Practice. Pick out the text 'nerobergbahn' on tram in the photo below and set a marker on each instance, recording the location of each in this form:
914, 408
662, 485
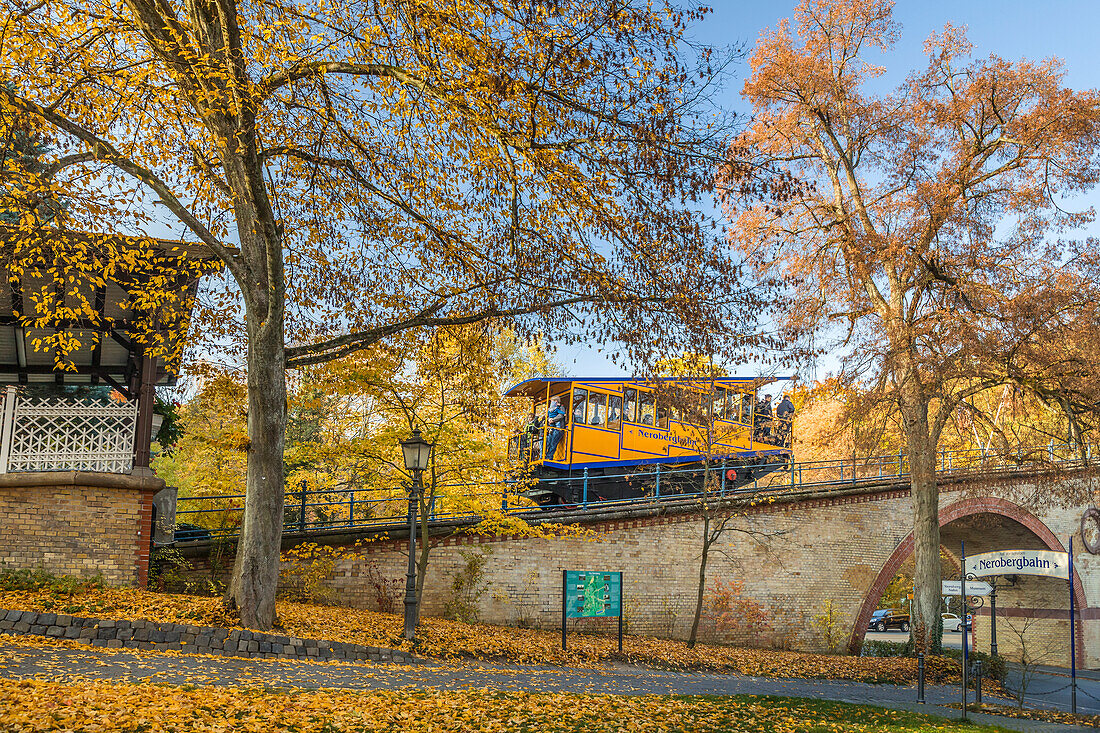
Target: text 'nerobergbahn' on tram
620, 434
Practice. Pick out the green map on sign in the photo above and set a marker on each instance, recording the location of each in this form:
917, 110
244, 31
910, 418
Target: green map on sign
592, 593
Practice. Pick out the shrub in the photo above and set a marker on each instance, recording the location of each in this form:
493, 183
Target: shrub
385, 592
829, 625
467, 587
40, 579
993, 667
884, 649
168, 570
308, 567
735, 615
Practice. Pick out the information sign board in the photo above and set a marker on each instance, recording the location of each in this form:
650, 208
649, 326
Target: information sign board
593, 593
973, 587
1019, 562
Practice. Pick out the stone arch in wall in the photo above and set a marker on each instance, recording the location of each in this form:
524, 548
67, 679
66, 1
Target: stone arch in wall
1038, 535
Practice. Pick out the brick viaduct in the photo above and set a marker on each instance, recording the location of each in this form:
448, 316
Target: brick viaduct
793, 556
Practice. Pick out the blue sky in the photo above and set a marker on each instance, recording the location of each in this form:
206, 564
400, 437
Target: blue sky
1012, 29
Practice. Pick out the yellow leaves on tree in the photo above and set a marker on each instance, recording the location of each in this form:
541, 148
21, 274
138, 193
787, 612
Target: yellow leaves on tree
364, 169
919, 226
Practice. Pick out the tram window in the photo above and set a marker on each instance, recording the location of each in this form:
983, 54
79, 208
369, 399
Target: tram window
719, 408
597, 408
646, 405
746, 409
631, 414
580, 401
614, 412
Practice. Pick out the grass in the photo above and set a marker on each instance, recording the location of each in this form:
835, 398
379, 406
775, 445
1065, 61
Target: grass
36, 705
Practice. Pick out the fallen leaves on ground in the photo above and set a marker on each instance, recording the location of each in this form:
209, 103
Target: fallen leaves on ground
1048, 716
452, 640
34, 705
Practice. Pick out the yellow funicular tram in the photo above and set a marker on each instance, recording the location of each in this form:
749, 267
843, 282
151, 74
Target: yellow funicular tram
617, 435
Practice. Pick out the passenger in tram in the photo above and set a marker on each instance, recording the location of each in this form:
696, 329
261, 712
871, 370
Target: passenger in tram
555, 420
529, 437
762, 424
784, 411
594, 409
614, 413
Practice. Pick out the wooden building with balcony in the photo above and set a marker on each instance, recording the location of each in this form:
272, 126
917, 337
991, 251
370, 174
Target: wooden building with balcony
77, 394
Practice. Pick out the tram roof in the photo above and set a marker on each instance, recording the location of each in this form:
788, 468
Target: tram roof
536, 386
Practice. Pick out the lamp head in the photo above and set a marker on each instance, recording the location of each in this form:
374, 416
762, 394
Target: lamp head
417, 452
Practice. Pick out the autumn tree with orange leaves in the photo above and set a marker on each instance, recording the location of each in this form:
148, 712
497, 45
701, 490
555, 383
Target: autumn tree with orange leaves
922, 226
366, 167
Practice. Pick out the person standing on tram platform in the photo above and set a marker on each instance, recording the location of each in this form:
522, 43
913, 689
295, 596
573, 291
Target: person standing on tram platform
555, 420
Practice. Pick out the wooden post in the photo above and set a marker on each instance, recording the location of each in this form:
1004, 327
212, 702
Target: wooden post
146, 399
7, 426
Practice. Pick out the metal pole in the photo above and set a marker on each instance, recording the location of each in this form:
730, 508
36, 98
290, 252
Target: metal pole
977, 682
351, 508
993, 619
302, 513
410, 578
1072, 638
723, 490
658, 480
563, 595
585, 488
920, 677
965, 629
620, 613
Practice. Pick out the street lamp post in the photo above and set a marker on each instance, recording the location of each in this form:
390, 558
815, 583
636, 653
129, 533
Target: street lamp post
417, 452
993, 618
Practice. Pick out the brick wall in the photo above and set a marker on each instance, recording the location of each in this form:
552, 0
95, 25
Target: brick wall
78, 523
791, 558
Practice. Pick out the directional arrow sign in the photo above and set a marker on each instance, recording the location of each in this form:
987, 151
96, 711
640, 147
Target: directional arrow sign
1019, 562
973, 587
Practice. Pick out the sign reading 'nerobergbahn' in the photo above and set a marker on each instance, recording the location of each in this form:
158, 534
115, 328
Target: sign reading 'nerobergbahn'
1020, 562
592, 593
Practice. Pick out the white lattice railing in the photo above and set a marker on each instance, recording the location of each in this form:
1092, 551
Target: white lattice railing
65, 434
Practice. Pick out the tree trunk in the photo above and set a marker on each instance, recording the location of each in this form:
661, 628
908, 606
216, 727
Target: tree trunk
256, 570
926, 620
702, 582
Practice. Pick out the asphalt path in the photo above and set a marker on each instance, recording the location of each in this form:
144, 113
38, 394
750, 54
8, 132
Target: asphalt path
78, 663
951, 639
1050, 688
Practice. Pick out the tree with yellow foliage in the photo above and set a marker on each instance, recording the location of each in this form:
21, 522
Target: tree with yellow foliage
367, 168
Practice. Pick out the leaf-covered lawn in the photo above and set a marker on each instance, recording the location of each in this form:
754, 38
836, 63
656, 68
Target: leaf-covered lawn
51, 706
443, 639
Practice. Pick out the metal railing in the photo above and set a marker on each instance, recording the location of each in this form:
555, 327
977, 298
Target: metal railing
328, 510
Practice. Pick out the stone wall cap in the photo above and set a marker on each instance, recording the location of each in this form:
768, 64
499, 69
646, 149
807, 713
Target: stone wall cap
97, 479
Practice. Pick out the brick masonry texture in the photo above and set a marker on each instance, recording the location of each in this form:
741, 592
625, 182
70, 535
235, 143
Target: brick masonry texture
150, 636
791, 558
78, 523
